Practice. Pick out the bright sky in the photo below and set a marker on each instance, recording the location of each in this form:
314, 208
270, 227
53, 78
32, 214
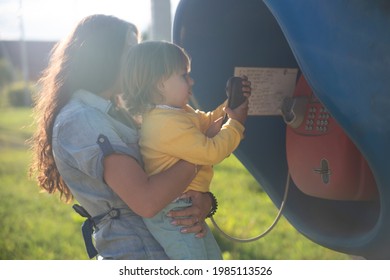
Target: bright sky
53, 19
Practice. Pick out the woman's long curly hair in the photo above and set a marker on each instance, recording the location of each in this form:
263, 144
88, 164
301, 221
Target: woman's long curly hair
89, 58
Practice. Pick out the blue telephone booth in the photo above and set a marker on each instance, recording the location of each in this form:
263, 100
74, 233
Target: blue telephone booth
342, 48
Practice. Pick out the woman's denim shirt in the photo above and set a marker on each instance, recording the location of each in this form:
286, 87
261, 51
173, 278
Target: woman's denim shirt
79, 159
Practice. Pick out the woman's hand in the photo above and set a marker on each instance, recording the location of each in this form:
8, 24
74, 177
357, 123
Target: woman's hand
195, 215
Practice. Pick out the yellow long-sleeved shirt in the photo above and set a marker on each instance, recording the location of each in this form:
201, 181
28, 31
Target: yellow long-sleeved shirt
168, 135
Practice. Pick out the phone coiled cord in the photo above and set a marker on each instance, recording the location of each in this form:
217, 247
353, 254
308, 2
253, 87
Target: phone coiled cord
269, 228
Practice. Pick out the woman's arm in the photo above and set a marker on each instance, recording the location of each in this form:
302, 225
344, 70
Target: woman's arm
146, 195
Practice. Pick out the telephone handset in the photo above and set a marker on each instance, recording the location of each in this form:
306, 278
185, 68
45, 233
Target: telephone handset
234, 93
322, 160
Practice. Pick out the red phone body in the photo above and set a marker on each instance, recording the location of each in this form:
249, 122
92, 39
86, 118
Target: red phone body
322, 160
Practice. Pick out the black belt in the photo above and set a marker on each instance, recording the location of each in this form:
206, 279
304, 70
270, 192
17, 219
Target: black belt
89, 226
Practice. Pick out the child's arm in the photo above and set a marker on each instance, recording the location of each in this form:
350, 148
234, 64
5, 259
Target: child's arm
206, 119
187, 142
214, 128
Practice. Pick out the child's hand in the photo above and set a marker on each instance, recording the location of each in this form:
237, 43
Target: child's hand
246, 86
214, 128
240, 113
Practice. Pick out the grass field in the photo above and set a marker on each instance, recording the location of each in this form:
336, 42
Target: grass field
35, 225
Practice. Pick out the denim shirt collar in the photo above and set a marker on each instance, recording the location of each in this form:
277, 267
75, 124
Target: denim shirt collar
93, 100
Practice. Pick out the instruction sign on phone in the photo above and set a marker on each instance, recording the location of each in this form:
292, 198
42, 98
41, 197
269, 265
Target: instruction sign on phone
269, 87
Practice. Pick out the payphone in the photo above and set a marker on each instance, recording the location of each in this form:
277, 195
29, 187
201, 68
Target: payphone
348, 72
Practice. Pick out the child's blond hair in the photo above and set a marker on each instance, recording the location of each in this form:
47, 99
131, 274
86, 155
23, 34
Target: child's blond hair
145, 66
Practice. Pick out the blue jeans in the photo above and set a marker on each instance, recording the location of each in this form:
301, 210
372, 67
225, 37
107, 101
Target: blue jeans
181, 246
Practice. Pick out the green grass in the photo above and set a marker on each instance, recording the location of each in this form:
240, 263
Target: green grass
35, 225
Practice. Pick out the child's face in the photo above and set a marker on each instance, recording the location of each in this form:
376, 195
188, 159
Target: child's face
176, 90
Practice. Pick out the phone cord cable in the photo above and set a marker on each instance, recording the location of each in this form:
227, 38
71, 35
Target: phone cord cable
267, 230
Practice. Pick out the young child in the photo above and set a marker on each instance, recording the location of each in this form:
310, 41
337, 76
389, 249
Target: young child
157, 86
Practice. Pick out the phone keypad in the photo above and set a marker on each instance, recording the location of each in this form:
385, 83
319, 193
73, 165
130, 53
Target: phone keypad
317, 119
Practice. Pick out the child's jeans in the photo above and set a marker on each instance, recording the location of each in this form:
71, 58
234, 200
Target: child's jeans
181, 246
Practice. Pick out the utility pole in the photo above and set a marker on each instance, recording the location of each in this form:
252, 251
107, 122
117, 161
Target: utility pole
161, 20
23, 55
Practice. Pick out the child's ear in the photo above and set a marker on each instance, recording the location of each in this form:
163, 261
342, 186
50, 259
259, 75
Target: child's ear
161, 85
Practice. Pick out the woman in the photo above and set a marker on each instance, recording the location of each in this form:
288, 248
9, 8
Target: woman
86, 148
